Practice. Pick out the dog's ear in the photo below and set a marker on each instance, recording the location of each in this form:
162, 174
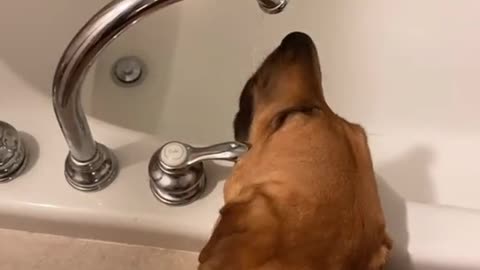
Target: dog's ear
243, 119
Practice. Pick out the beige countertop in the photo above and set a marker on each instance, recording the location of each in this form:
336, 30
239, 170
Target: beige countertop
32, 251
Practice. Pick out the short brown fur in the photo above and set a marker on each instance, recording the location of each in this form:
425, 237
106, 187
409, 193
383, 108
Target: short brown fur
304, 197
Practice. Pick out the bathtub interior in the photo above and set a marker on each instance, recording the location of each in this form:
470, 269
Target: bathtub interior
400, 69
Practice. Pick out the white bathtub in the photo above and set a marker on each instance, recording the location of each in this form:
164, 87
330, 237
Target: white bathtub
408, 72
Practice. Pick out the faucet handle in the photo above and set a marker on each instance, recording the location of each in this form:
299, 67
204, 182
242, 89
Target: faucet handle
177, 155
176, 170
13, 154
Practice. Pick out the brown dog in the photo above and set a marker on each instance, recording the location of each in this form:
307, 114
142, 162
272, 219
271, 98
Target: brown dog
304, 197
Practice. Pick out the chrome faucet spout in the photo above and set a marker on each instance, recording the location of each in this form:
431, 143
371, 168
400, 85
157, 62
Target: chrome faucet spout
91, 166
102, 29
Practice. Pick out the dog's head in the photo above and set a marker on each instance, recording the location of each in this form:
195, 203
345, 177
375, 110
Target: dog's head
305, 193
289, 79
283, 113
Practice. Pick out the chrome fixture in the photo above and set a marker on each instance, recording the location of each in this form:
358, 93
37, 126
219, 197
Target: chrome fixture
176, 170
13, 156
90, 166
272, 6
128, 71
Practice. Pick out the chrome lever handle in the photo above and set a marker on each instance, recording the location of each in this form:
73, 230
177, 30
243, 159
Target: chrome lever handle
229, 151
176, 170
178, 156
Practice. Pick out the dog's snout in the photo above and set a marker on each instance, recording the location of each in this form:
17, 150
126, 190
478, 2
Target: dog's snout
297, 40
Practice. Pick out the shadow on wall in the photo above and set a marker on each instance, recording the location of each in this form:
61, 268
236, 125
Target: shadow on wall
412, 170
409, 174
396, 214
35, 33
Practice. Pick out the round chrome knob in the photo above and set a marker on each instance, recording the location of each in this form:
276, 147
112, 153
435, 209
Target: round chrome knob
272, 6
172, 181
13, 156
177, 188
